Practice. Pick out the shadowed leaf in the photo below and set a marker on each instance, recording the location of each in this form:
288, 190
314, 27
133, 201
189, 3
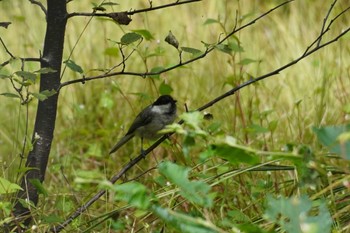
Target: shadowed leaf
129, 38
73, 66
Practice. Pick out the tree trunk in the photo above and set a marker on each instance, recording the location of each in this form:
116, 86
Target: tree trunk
47, 109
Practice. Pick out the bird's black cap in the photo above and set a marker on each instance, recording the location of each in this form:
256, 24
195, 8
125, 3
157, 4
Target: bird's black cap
164, 99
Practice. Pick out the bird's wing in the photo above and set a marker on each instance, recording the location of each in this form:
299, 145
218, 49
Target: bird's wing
142, 119
121, 142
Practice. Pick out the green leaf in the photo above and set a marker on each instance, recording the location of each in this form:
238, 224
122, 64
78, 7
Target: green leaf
129, 38
133, 193
98, 8
329, 136
295, 214
175, 173
250, 227
194, 191
26, 75
273, 125
247, 61
229, 48
26, 203
145, 34
184, 222
253, 128
8, 187
39, 96
106, 101
224, 48
3, 76
191, 50
52, 218
94, 150
109, 4
156, 70
235, 47
64, 203
10, 95
6, 208
194, 121
38, 185
211, 21
233, 153
73, 66
112, 51
165, 89
84, 176
44, 94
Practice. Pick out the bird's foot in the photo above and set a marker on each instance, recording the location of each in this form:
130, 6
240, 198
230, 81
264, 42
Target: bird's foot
143, 153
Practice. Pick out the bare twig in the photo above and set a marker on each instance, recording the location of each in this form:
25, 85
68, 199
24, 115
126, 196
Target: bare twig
162, 6
324, 22
23, 59
132, 12
125, 58
275, 72
325, 30
74, 46
181, 63
6, 49
42, 7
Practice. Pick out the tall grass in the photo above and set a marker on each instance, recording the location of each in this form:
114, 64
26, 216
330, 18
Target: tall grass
94, 115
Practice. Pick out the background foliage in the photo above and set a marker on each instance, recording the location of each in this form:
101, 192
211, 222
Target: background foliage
227, 172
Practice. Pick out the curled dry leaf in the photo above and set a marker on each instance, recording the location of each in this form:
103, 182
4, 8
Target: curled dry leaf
5, 24
171, 39
120, 17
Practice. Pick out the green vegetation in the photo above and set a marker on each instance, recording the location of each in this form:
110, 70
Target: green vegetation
273, 157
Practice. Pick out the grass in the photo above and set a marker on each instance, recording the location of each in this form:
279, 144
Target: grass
93, 116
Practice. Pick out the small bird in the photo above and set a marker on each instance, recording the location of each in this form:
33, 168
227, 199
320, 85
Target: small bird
150, 120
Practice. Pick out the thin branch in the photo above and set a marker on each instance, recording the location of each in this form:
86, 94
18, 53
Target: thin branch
7, 51
162, 6
23, 59
253, 21
75, 45
325, 21
275, 72
324, 31
177, 3
205, 53
125, 58
42, 7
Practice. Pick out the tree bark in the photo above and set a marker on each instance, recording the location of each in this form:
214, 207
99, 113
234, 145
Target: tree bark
46, 111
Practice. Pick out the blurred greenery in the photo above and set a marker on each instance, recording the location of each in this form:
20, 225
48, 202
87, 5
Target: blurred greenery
221, 172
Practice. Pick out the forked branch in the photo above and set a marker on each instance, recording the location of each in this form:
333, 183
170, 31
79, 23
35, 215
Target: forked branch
42, 7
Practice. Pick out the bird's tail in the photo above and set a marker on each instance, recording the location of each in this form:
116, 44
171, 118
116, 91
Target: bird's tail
121, 142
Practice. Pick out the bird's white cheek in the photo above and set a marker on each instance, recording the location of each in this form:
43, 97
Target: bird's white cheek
158, 109
161, 109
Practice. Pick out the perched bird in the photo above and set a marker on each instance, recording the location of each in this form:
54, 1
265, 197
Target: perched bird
150, 120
